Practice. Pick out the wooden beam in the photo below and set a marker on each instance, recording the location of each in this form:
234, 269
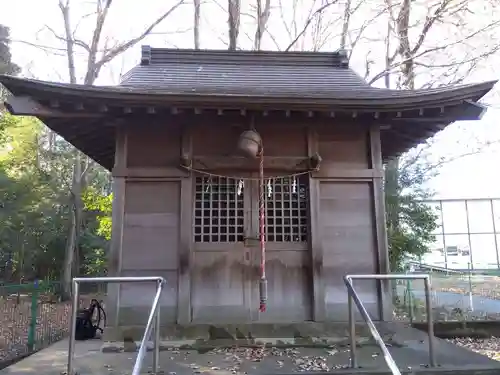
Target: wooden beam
149, 173
330, 171
315, 244
185, 238
383, 288
27, 106
115, 255
239, 162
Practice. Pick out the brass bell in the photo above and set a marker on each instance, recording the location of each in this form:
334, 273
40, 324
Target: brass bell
250, 143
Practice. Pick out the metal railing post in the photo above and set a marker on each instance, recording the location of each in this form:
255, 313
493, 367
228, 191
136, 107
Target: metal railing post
352, 330
72, 331
373, 330
156, 354
430, 324
469, 274
353, 297
33, 316
147, 334
153, 319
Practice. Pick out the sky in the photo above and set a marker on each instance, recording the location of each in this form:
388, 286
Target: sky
469, 177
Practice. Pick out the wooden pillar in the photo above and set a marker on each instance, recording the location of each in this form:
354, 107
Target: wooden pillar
315, 245
186, 238
384, 289
115, 253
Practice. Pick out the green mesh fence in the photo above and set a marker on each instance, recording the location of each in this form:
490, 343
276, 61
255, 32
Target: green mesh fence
32, 316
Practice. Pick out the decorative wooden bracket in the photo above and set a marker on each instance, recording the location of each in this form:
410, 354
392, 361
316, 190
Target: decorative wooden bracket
186, 161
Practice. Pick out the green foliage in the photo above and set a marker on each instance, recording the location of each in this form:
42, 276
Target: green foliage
410, 222
35, 204
413, 237
102, 206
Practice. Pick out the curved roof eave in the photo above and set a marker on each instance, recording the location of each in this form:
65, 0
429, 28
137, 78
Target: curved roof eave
367, 99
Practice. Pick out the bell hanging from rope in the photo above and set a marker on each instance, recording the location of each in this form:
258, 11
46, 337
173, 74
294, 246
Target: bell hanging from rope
250, 143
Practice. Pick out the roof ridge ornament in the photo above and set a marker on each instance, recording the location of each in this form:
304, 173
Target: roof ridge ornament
145, 55
343, 56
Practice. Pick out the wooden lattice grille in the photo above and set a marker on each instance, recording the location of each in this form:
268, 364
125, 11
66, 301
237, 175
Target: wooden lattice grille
219, 210
219, 214
286, 209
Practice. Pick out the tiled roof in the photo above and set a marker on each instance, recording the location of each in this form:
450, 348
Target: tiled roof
169, 79
265, 73
243, 72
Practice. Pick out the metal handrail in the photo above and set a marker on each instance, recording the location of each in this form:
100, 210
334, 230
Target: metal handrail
352, 295
155, 312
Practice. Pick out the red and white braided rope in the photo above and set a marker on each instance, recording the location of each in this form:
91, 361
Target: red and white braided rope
262, 235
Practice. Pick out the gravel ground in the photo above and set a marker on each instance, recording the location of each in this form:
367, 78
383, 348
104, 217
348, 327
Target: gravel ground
488, 347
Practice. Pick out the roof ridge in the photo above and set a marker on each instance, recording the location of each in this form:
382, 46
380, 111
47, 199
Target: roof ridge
150, 56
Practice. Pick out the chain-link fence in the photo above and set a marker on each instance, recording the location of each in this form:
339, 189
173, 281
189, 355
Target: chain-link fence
464, 262
456, 295
32, 316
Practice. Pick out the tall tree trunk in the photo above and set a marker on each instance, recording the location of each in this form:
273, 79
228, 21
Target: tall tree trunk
262, 18
72, 258
73, 230
407, 76
196, 26
406, 80
233, 10
345, 25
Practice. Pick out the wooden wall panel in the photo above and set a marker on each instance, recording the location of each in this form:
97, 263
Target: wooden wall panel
218, 286
289, 286
224, 139
215, 140
153, 146
346, 147
136, 299
284, 140
151, 245
348, 240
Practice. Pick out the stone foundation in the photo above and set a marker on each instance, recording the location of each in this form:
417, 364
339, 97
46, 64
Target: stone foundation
309, 334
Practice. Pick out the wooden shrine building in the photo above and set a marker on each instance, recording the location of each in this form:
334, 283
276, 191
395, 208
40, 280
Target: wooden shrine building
183, 134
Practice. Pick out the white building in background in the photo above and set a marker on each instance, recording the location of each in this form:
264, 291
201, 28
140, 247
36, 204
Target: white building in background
468, 234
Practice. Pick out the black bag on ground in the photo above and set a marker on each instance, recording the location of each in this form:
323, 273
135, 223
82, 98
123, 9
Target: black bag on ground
85, 328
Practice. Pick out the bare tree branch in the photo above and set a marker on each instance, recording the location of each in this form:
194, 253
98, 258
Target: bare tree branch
111, 54
485, 30
58, 51
77, 42
102, 13
308, 22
